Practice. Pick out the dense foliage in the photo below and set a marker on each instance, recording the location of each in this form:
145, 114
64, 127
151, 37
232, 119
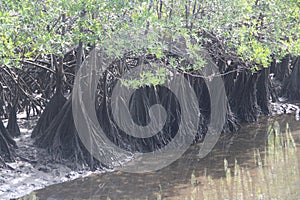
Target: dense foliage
255, 31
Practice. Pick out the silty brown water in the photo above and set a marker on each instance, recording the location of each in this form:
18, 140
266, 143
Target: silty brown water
261, 161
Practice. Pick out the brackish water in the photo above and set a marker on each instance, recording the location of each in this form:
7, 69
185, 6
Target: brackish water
261, 161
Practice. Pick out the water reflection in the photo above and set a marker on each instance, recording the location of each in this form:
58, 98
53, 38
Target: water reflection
259, 162
276, 175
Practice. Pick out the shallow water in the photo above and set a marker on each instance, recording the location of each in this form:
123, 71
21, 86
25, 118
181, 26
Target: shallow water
258, 162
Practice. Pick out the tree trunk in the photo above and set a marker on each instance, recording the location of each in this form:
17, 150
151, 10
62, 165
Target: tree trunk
263, 92
291, 88
12, 125
281, 70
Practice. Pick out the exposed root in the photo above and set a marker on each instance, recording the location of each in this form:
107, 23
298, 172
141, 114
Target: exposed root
62, 140
6, 142
243, 99
52, 109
